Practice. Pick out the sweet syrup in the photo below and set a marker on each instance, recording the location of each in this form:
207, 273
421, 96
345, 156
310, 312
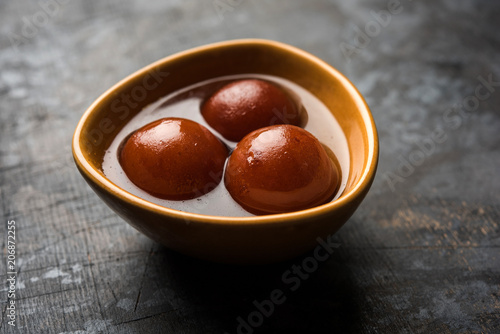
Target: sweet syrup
186, 103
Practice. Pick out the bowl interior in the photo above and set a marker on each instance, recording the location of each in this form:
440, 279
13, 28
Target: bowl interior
107, 116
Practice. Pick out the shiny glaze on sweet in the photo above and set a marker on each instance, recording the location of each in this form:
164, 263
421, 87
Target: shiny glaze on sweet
281, 168
243, 106
174, 158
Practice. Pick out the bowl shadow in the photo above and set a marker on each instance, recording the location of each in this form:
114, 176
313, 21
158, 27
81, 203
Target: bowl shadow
239, 299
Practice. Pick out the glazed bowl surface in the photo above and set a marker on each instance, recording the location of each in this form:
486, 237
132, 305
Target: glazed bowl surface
242, 240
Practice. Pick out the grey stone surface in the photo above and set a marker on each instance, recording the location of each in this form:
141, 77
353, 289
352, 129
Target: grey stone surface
421, 255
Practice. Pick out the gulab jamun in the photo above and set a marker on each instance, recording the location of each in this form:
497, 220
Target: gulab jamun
243, 106
174, 158
281, 168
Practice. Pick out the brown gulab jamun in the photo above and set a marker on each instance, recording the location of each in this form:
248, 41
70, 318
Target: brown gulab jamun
243, 106
280, 168
174, 158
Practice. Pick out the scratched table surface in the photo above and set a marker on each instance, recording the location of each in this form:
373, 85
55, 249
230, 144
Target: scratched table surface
420, 255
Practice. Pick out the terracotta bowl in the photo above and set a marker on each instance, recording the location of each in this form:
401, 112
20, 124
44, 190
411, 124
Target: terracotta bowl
243, 240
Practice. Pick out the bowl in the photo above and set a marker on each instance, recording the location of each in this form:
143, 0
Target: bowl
238, 240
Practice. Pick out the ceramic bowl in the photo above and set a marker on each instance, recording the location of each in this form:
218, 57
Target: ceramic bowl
243, 240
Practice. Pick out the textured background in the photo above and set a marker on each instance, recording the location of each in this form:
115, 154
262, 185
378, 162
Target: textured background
421, 255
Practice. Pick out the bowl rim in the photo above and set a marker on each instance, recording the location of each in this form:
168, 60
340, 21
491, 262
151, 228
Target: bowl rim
364, 181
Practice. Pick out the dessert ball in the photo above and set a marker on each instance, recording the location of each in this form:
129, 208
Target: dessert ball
243, 106
280, 168
174, 158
